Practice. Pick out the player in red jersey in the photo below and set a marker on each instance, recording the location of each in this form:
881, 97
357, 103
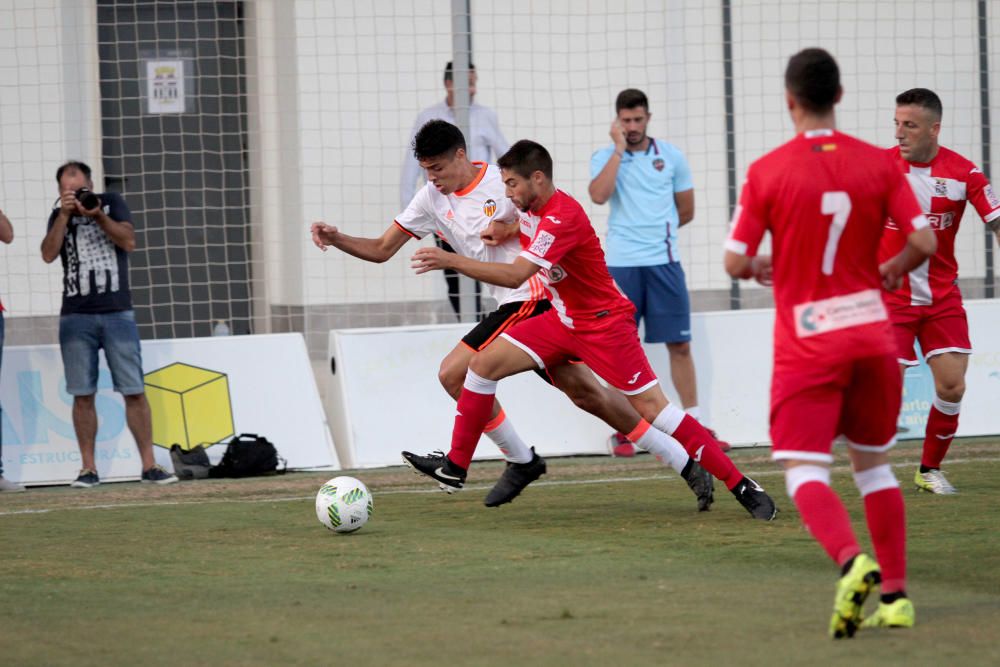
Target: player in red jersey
465, 203
591, 320
824, 196
929, 308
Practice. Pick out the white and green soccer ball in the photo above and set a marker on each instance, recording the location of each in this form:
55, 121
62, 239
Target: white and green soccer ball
344, 504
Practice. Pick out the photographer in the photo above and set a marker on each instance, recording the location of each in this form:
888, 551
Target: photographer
93, 235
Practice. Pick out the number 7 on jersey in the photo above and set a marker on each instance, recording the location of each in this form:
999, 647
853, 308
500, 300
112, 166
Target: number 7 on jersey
838, 204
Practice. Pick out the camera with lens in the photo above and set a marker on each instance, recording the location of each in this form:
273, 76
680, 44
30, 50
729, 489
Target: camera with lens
88, 200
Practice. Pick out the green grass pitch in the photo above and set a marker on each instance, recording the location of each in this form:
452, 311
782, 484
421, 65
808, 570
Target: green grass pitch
603, 562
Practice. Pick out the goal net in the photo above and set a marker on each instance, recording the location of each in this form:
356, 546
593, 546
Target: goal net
231, 126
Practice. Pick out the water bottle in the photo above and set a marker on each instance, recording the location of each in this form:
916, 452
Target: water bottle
221, 328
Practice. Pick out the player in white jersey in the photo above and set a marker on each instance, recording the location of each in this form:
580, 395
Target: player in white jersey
465, 203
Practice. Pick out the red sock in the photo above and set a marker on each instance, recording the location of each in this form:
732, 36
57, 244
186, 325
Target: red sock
474, 411
703, 448
887, 526
825, 517
941, 429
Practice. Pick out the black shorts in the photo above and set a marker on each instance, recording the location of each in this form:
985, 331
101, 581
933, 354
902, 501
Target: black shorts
500, 320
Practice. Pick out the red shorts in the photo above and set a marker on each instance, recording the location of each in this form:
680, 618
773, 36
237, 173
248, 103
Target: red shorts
857, 399
613, 351
940, 327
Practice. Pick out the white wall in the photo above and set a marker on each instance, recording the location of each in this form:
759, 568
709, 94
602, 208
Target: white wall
552, 70
883, 48
336, 86
49, 113
397, 367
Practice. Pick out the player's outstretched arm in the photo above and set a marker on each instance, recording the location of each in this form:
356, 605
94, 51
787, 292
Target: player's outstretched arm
505, 275
499, 232
994, 226
371, 250
920, 244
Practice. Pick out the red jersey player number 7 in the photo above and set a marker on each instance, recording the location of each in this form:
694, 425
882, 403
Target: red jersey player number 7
823, 196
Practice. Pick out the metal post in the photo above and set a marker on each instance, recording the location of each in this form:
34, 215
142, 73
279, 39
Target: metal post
727, 64
461, 46
984, 102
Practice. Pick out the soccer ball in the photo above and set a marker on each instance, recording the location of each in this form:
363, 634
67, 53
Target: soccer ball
344, 504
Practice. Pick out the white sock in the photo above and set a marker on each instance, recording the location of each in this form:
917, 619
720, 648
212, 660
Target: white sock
664, 448
507, 439
669, 419
478, 384
875, 479
694, 411
947, 407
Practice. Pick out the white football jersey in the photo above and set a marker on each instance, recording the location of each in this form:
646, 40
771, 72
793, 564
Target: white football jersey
459, 218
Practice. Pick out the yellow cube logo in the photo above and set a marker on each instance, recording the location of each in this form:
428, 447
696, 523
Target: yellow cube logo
190, 406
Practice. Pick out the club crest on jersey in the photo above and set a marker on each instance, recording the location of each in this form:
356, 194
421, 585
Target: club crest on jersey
489, 208
659, 164
542, 243
940, 187
556, 273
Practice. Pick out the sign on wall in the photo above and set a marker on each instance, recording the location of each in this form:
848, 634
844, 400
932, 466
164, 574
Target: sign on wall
165, 86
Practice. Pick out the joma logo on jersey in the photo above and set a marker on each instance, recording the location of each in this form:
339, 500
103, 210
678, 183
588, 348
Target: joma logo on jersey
489, 208
940, 221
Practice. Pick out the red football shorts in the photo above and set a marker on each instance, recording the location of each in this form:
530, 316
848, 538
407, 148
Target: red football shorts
613, 350
811, 406
940, 327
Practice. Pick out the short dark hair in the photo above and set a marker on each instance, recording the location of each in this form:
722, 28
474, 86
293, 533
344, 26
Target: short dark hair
631, 98
525, 158
921, 97
437, 137
72, 163
449, 70
813, 78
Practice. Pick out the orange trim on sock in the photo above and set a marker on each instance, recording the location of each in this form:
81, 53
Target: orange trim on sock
638, 431
494, 423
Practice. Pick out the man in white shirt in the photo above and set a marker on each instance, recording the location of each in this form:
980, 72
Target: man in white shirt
486, 143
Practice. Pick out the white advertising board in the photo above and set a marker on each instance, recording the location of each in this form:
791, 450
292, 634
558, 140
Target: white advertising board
384, 395
202, 390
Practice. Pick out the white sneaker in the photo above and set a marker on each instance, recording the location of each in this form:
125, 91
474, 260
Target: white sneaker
934, 481
7, 486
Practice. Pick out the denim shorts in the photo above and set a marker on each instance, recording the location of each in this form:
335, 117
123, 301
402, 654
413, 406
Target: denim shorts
81, 335
661, 299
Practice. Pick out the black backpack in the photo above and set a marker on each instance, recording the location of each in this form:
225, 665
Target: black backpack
248, 455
